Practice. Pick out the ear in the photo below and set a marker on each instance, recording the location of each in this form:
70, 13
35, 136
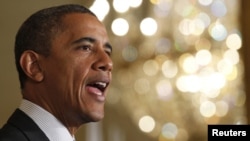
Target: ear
29, 62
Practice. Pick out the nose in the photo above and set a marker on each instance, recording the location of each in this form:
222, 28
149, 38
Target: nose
104, 62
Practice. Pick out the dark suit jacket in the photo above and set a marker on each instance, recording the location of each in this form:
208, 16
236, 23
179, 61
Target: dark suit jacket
20, 127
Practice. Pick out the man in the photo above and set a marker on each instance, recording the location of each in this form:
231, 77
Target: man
64, 66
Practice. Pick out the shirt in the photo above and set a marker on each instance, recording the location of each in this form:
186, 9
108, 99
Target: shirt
49, 124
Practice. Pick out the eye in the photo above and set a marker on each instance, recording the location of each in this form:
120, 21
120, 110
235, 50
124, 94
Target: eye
109, 52
86, 47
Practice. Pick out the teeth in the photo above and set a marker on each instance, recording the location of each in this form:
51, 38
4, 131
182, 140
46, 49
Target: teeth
102, 84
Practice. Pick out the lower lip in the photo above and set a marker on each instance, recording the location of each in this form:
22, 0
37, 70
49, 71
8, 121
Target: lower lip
96, 92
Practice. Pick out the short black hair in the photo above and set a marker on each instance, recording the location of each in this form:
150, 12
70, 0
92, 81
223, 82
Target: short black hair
38, 31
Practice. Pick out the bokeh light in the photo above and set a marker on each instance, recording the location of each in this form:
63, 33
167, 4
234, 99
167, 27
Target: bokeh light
130, 54
135, 3
100, 8
205, 2
234, 41
207, 109
148, 26
218, 8
120, 27
169, 69
150, 68
164, 90
121, 6
147, 123
203, 57
218, 31
169, 131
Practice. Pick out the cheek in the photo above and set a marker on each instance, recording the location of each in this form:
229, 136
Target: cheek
79, 82
81, 69
75, 76
80, 75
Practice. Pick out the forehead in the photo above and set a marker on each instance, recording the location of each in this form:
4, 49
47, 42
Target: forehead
83, 24
75, 26
81, 20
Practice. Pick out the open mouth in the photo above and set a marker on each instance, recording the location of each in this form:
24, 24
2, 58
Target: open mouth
101, 86
98, 87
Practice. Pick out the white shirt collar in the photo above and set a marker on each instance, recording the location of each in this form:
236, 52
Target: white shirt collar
51, 126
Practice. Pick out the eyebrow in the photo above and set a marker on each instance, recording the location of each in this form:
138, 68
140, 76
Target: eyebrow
92, 40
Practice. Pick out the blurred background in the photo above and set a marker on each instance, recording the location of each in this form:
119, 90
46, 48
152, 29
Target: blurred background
179, 66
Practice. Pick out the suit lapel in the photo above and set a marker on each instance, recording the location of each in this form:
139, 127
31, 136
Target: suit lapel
26, 125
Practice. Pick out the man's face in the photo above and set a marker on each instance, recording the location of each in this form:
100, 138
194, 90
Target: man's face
78, 69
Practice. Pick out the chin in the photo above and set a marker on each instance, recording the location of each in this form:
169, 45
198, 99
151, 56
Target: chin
97, 117
94, 116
